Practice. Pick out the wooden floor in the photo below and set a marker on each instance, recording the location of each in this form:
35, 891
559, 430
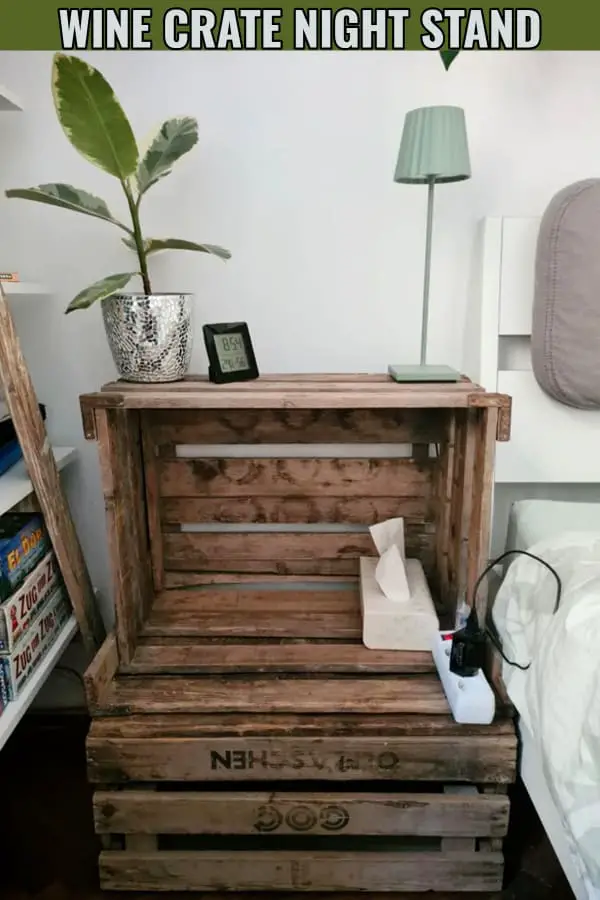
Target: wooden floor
48, 849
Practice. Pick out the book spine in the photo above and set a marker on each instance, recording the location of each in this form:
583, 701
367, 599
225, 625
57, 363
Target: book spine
4, 683
20, 611
30, 651
3, 690
21, 553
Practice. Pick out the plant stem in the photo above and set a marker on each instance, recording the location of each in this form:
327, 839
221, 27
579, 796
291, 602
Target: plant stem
139, 241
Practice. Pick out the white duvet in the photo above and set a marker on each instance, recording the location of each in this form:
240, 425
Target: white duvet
559, 696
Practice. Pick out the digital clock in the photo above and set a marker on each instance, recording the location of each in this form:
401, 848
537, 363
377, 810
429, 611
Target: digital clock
230, 352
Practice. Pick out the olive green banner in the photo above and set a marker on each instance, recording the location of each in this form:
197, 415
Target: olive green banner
38, 25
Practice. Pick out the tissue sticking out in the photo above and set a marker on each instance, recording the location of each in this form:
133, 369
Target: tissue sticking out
397, 607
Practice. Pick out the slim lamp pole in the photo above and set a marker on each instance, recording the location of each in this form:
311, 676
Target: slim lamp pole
426, 280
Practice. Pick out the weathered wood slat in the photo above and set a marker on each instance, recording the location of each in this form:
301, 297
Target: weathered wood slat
444, 564
419, 694
291, 477
249, 600
193, 547
235, 568
193, 812
326, 381
178, 726
281, 658
119, 446
326, 895
306, 871
461, 843
153, 502
173, 757
289, 398
187, 549
304, 426
200, 579
462, 498
291, 552
481, 510
100, 672
173, 622
295, 510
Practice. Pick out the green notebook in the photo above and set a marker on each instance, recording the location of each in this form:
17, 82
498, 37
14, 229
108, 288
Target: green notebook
417, 373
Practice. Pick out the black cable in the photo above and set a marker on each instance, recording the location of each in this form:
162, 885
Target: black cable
493, 635
70, 670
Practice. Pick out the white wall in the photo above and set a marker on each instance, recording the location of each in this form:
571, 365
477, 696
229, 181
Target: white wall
294, 173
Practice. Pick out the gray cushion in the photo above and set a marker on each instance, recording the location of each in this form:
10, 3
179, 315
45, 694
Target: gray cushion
565, 337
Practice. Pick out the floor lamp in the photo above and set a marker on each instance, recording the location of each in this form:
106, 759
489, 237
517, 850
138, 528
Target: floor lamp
433, 150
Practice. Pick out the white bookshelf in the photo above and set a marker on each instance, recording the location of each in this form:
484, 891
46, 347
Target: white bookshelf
15, 710
15, 484
24, 289
9, 102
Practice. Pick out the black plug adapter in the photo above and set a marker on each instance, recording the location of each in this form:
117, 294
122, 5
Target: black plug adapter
468, 652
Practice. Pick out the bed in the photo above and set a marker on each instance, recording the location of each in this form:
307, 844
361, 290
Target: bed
554, 452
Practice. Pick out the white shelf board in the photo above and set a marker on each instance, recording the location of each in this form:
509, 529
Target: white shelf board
15, 484
15, 710
9, 102
24, 289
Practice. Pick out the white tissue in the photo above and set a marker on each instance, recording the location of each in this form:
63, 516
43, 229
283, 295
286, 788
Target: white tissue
390, 575
387, 534
390, 572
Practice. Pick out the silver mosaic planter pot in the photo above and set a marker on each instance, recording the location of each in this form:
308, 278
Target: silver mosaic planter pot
150, 335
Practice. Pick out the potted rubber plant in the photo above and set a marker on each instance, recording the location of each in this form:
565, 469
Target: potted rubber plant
150, 334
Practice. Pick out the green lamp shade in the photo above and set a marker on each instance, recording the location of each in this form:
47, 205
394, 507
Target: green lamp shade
434, 146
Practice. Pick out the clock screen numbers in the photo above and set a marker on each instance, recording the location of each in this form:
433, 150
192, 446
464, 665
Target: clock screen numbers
231, 351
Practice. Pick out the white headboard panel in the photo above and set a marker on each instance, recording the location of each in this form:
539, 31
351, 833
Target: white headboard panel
550, 443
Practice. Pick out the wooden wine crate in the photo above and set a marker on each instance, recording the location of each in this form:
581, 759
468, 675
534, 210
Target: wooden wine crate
243, 737
357, 839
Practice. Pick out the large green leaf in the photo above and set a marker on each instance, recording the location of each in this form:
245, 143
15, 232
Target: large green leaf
448, 57
175, 138
99, 290
92, 117
155, 245
68, 197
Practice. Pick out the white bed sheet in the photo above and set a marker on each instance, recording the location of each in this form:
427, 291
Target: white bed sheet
530, 522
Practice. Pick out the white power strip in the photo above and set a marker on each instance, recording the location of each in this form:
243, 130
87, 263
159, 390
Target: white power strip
471, 698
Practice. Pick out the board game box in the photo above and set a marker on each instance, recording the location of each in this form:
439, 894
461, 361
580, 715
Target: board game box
22, 609
3, 696
17, 668
24, 542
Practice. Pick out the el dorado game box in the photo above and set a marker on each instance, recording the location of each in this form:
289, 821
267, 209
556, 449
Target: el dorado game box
22, 609
17, 668
3, 696
24, 542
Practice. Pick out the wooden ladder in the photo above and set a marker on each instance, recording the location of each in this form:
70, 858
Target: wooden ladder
39, 460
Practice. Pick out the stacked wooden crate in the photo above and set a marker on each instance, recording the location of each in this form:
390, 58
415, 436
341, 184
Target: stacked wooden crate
243, 738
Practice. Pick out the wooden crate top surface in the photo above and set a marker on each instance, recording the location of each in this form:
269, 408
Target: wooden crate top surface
300, 391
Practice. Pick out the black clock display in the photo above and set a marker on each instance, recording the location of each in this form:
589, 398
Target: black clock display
230, 352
